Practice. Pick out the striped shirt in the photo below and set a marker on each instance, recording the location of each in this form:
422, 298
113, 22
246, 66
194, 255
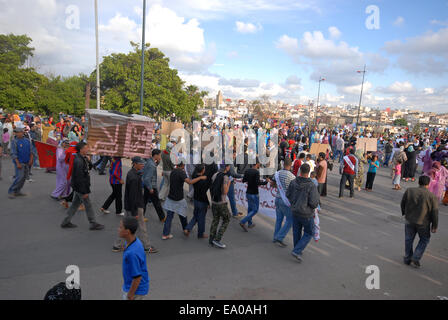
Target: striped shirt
285, 178
115, 172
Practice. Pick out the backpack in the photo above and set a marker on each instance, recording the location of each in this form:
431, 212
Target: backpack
216, 187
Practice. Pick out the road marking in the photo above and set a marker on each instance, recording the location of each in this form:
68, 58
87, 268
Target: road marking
341, 241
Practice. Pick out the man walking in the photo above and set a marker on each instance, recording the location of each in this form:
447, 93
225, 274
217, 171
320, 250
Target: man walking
282, 206
167, 167
388, 149
349, 170
252, 177
133, 204
420, 208
150, 183
22, 157
304, 199
81, 189
135, 269
220, 184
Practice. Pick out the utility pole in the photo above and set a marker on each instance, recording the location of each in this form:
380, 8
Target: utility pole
360, 97
142, 78
318, 96
98, 93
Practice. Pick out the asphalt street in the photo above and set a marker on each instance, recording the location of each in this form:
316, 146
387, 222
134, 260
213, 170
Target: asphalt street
355, 233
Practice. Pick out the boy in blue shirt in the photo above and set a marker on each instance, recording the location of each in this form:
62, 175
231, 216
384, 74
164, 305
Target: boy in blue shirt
135, 271
22, 158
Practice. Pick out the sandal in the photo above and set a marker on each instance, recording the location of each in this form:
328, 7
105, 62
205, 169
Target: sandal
170, 236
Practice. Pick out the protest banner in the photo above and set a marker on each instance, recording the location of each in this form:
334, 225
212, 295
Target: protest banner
168, 127
267, 195
367, 144
317, 148
116, 134
47, 154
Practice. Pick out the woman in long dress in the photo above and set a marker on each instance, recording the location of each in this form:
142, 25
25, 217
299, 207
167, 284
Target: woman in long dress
439, 180
362, 160
427, 161
410, 166
62, 184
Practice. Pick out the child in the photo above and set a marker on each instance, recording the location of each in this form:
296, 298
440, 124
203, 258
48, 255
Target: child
5, 140
374, 164
397, 175
310, 161
135, 270
316, 230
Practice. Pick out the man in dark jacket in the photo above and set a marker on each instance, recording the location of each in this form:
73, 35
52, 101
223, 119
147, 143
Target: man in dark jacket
304, 198
134, 204
420, 208
81, 188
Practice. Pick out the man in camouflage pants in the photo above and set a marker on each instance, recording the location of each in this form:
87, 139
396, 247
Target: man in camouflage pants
220, 209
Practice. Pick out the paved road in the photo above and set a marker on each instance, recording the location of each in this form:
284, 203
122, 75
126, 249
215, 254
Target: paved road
356, 233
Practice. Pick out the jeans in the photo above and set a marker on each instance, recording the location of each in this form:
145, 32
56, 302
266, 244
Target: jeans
370, 180
20, 176
115, 196
253, 202
169, 218
231, 197
351, 182
199, 212
154, 198
77, 200
338, 153
386, 161
283, 213
301, 241
103, 163
410, 231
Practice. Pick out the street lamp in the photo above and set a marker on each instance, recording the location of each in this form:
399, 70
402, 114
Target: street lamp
97, 58
360, 97
143, 58
318, 96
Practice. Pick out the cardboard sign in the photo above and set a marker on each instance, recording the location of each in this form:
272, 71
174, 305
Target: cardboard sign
317, 148
168, 127
119, 135
367, 144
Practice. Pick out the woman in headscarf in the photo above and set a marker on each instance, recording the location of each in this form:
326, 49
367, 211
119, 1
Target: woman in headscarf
439, 180
427, 161
62, 184
399, 155
74, 134
410, 166
362, 160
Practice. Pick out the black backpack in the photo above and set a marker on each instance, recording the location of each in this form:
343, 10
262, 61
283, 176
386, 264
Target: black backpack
216, 187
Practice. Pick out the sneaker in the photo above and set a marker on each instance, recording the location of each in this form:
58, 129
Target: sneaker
30, 180
170, 236
68, 226
297, 256
280, 243
415, 264
117, 249
151, 250
97, 226
244, 227
120, 214
20, 194
204, 236
11, 196
219, 244
104, 211
252, 226
406, 261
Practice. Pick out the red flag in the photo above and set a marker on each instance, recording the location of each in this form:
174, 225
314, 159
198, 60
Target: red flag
47, 154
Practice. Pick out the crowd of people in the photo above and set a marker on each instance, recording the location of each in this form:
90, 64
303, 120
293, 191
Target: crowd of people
301, 182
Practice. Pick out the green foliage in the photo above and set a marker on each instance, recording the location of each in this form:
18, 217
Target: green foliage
401, 122
164, 91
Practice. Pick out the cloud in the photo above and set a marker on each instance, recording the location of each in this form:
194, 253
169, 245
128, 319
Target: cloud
232, 54
335, 60
397, 88
440, 23
239, 83
399, 22
242, 27
334, 32
356, 89
423, 54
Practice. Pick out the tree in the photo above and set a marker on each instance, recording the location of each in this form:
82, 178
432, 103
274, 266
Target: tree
164, 92
401, 122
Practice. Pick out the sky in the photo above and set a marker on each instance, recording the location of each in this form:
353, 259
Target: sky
250, 48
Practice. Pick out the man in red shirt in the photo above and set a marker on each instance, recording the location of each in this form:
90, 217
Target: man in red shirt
349, 170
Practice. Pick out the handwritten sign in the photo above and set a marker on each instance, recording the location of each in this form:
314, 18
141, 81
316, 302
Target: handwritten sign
317, 148
168, 127
367, 144
267, 198
119, 135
